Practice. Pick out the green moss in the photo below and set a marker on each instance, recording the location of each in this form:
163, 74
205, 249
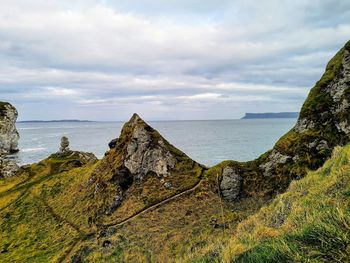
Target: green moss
318, 101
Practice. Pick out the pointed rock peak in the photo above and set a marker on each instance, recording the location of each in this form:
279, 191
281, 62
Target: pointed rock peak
141, 150
135, 119
140, 160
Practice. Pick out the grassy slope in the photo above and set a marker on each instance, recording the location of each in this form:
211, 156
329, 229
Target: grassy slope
39, 222
31, 231
308, 223
45, 213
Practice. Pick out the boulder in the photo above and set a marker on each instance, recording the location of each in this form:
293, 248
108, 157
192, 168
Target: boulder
231, 184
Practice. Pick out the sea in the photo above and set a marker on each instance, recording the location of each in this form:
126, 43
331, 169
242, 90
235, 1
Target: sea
206, 141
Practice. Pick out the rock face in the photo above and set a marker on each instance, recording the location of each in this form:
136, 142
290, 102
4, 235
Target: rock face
324, 123
230, 184
8, 133
140, 150
138, 154
145, 153
8, 139
8, 167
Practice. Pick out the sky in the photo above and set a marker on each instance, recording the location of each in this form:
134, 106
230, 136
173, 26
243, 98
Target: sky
166, 60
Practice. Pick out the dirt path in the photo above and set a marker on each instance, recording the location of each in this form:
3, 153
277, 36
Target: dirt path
155, 206
68, 253
83, 235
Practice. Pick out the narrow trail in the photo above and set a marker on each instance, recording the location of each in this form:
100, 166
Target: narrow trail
68, 253
155, 206
81, 234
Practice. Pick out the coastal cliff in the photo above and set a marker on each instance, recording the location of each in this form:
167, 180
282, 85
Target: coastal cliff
323, 124
147, 201
9, 137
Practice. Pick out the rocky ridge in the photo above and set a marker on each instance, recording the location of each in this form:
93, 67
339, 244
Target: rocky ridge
324, 123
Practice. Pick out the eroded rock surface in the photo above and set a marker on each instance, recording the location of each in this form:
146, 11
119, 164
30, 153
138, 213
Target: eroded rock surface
139, 153
230, 184
8, 139
145, 153
323, 124
8, 133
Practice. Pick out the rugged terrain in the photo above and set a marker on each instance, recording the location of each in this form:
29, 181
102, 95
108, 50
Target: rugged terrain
146, 201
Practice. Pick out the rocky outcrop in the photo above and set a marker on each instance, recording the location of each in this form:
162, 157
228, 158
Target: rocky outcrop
147, 153
323, 124
8, 133
8, 167
230, 184
64, 145
140, 150
138, 154
8, 139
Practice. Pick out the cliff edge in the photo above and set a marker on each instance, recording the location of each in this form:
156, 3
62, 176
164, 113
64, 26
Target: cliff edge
323, 123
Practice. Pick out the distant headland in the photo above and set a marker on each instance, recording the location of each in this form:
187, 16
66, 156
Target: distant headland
271, 115
40, 121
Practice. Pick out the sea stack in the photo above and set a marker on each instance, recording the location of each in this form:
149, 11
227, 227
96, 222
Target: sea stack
8, 139
8, 133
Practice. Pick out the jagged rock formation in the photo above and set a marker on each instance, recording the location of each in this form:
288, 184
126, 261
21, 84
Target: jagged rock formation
8, 133
64, 144
324, 123
8, 139
138, 153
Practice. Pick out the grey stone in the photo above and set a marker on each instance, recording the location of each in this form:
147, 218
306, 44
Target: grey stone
64, 145
8, 167
9, 135
230, 184
275, 158
344, 127
303, 125
143, 156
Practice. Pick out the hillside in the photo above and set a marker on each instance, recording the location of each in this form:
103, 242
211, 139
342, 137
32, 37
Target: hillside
146, 201
308, 223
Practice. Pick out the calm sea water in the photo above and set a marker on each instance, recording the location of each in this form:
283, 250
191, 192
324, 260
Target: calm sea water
208, 142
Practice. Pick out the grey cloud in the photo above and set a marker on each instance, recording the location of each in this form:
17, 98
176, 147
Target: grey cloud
114, 54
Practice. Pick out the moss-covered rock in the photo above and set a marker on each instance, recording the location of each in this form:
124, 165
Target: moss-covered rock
324, 123
142, 161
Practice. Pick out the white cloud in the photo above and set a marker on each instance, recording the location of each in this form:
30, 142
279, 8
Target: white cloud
166, 54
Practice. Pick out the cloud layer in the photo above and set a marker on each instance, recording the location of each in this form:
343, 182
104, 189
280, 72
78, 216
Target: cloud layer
189, 59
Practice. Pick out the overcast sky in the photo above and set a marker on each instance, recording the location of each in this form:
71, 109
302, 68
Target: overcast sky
174, 59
